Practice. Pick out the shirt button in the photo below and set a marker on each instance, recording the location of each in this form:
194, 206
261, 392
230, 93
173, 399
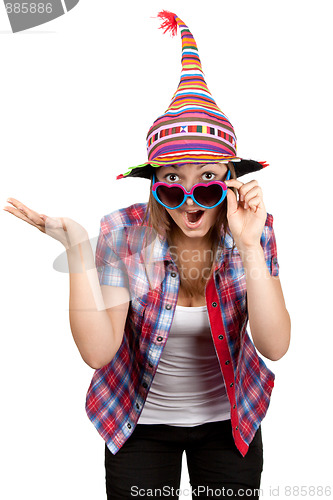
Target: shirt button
138, 406
129, 426
221, 337
173, 275
234, 406
159, 339
236, 427
168, 306
145, 385
227, 362
214, 304
150, 365
274, 260
232, 384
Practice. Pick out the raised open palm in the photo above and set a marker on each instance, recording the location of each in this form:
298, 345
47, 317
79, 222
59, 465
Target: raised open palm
63, 229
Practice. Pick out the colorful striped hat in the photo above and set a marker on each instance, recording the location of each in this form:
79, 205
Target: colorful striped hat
193, 129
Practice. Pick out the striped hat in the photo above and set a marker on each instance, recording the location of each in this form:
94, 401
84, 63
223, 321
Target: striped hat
193, 129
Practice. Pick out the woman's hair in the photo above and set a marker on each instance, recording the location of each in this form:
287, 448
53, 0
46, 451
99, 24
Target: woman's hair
157, 218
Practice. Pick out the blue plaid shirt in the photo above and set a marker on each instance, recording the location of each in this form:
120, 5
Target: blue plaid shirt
118, 391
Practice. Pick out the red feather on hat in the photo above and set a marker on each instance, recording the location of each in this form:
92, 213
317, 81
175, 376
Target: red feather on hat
169, 22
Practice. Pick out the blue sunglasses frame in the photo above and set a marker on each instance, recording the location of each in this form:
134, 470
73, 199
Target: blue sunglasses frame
189, 194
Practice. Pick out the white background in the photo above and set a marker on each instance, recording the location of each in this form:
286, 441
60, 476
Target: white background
77, 98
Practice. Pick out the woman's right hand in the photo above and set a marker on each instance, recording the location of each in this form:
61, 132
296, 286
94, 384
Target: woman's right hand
63, 229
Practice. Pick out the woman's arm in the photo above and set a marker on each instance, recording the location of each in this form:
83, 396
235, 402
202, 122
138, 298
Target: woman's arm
97, 314
97, 319
268, 317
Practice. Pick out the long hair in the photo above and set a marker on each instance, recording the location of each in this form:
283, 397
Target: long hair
157, 218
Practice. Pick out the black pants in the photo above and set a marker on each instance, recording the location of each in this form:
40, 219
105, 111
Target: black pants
149, 463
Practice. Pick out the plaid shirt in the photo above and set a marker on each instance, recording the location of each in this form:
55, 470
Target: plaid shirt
118, 391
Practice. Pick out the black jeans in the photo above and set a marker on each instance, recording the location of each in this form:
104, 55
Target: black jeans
149, 463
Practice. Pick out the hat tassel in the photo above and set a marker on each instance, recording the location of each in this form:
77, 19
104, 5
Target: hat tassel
169, 22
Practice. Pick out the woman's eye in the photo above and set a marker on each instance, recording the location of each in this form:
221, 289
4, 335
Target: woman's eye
171, 177
208, 176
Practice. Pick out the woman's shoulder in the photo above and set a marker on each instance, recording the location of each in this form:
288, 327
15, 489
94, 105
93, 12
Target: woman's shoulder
124, 232
124, 217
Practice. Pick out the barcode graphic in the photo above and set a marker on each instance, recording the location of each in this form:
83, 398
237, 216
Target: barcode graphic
23, 15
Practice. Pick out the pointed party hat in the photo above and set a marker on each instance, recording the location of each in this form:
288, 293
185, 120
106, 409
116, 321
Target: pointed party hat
193, 129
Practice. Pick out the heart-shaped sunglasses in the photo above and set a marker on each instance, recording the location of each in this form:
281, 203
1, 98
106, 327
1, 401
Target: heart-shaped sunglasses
206, 195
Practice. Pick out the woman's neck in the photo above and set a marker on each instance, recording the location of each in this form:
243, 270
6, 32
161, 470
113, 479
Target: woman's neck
184, 242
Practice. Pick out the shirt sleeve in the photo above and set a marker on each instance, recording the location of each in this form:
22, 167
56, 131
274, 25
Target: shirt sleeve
270, 250
111, 270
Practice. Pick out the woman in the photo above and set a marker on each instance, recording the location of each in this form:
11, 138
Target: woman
164, 320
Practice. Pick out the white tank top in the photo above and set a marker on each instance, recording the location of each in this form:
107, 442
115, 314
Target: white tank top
188, 388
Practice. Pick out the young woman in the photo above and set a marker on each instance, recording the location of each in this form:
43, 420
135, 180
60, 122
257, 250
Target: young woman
163, 318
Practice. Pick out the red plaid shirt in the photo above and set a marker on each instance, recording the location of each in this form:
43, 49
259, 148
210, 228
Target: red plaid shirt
118, 391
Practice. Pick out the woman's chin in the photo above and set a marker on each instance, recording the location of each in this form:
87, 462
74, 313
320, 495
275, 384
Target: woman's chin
194, 232
195, 229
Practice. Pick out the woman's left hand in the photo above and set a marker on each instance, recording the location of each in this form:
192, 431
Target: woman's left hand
246, 217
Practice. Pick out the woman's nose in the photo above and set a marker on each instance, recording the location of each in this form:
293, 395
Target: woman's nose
189, 201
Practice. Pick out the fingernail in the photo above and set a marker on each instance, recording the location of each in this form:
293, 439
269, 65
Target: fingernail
241, 197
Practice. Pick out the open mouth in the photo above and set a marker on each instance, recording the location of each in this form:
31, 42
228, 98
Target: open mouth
194, 217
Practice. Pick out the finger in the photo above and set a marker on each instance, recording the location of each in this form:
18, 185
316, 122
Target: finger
31, 214
255, 191
17, 203
232, 205
255, 204
27, 212
243, 188
248, 186
234, 183
20, 215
